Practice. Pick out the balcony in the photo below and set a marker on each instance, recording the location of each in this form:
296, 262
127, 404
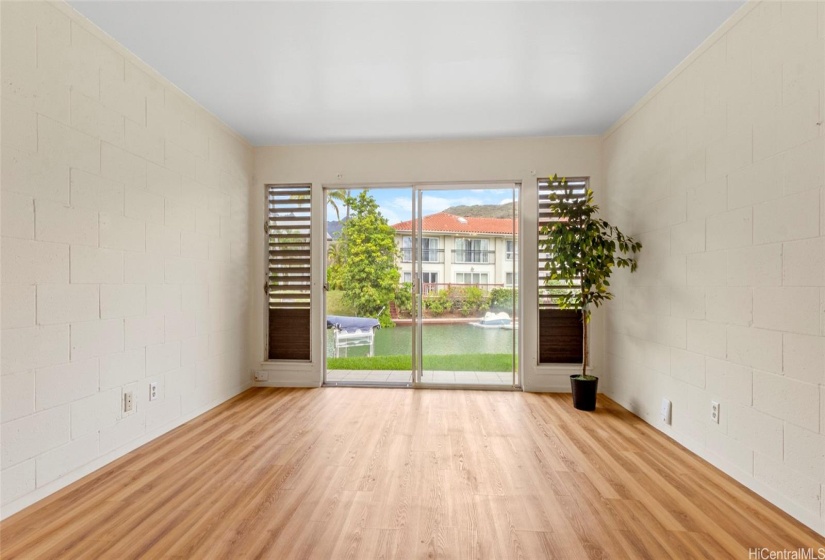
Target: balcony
473, 256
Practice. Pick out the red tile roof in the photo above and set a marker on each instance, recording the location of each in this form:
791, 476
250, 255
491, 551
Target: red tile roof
449, 223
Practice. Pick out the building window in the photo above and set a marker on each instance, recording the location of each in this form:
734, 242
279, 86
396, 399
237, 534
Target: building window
426, 277
510, 249
471, 278
472, 251
429, 250
508, 279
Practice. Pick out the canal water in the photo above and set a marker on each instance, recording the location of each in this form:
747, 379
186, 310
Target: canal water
456, 338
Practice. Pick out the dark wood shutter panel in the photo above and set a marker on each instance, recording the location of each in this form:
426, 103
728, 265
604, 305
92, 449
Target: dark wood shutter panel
560, 330
560, 336
289, 283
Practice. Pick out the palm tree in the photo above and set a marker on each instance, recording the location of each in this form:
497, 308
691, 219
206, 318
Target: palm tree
336, 197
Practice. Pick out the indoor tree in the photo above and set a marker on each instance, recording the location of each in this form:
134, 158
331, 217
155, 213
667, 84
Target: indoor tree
583, 249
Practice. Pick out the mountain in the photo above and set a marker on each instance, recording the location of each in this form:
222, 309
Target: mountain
483, 211
334, 229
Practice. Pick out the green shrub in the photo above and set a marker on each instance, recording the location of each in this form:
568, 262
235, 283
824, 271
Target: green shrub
403, 297
440, 303
474, 301
385, 320
503, 299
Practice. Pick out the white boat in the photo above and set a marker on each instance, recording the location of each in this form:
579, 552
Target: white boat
494, 321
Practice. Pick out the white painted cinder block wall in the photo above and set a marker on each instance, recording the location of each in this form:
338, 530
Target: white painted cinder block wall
719, 171
125, 215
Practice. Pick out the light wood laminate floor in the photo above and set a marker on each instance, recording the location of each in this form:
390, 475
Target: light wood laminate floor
398, 473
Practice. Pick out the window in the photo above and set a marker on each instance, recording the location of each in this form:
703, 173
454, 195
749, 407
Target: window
289, 271
472, 251
508, 279
429, 250
426, 277
471, 277
560, 330
510, 249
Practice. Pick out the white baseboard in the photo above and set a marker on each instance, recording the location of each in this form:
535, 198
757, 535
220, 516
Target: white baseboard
806, 517
306, 377
778, 499
296, 383
75, 475
552, 379
547, 384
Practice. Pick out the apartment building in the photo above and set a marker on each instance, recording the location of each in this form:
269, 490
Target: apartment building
459, 250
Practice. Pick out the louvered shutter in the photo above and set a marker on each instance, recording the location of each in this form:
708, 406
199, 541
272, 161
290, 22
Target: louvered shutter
289, 282
560, 330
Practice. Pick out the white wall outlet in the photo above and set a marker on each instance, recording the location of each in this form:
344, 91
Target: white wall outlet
667, 409
128, 402
153, 390
714, 411
261, 376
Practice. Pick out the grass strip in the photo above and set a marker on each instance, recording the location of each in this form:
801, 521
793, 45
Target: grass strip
449, 362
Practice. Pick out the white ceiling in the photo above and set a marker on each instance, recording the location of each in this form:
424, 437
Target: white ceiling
307, 72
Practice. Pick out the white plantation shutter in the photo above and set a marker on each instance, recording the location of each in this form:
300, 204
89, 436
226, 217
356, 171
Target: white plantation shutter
574, 190
560, 330
289, 272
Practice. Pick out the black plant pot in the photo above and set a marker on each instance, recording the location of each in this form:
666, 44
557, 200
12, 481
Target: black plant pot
584, 392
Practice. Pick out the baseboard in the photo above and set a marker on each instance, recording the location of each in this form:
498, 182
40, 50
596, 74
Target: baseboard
548, 384
294, 377
778, 499
75, 475
551, 378
807, 518
295, 383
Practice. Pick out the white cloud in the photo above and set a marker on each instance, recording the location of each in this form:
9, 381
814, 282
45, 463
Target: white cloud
392, 217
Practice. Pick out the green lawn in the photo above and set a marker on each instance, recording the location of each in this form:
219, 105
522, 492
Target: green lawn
452, 362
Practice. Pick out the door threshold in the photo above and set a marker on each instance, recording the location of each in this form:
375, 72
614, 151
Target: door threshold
379, 385
468, 387
411, 385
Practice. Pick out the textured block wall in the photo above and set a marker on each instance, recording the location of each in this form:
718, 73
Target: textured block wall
125, 261
720, 173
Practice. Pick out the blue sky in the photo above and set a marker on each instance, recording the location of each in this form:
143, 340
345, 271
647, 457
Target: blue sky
396, 204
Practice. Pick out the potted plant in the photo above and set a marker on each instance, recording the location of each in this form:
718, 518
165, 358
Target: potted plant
584, 250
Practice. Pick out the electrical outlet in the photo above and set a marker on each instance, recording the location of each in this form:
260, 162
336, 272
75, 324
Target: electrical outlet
666, 411
128, 402
261, 376
153, 390
714, 411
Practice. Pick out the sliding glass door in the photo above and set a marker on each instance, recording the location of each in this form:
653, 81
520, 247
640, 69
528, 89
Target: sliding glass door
421, 285
368, 286
467, 289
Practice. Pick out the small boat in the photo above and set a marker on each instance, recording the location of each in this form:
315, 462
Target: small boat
494, 321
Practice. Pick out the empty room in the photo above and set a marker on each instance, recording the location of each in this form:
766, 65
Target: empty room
386, 279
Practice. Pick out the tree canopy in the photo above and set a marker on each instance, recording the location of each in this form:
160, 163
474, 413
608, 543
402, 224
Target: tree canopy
368, 272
